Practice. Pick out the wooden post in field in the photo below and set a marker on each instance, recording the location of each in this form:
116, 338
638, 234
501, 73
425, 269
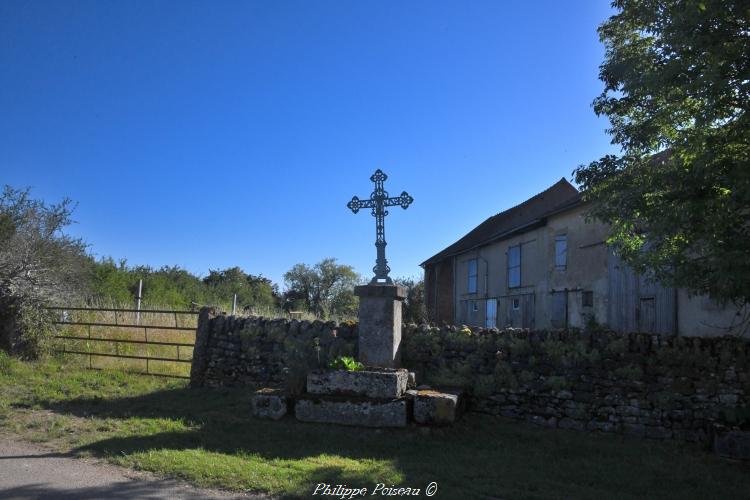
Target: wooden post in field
138, 303
234, 304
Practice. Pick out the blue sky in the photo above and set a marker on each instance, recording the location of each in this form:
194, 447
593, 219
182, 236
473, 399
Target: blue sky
215, 134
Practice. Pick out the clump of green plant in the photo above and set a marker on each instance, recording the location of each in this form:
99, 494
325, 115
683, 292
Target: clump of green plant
629, 372
27, 329
504, 376
346, 363
616, 346
484, 385
593, 326
556, 382
519, 347
4, 363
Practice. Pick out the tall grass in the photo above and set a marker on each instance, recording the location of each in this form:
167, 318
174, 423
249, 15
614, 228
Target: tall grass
142, 326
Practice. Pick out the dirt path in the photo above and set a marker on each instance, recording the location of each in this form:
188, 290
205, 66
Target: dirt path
28, 471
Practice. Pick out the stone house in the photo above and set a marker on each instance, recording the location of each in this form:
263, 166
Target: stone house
542, 265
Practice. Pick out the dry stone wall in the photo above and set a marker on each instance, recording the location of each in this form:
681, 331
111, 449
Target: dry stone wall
637, 384
255, 351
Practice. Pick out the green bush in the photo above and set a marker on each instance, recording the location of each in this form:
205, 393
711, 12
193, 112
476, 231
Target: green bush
27, 328
556, 382
4, 363
629, 372
346, 363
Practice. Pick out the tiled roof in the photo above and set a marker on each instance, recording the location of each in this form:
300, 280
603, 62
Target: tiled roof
560, 196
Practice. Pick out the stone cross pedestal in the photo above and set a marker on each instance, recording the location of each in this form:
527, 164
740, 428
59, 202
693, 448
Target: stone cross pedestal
380, 324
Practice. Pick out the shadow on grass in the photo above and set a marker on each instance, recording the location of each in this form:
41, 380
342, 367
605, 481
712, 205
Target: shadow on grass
117, 491
219, 420
480, 456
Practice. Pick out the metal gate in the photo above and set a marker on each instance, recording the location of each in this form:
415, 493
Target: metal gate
129, 334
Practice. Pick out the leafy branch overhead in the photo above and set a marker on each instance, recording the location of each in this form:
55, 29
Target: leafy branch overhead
677, 91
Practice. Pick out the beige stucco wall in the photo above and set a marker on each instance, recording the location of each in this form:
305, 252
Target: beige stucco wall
698, 315
586, 270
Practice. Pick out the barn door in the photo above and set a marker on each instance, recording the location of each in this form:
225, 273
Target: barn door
647, 315
559, 312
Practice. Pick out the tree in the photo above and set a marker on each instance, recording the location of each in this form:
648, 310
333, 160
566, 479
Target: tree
326, 289
676, 90
414, 309
252, 291
39, 265
172, 286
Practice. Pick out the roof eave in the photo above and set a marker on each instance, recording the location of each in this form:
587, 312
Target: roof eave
507, 234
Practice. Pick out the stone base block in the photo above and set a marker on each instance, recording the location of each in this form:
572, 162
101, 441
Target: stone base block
379, 335
269, 403
375, 383
366, 413
433, 407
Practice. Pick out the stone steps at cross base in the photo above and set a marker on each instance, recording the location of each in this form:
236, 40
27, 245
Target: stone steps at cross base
375, 383
373, 397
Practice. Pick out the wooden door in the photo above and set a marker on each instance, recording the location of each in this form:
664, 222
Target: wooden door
647, 315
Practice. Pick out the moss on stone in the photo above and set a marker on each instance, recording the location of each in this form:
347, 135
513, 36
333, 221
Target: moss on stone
556, 382
617, 346
629, 372
484, 385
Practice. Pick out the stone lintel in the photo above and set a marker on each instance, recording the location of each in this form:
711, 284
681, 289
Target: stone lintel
395, 292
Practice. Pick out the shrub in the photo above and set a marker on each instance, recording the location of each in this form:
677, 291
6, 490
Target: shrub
629, 372
346, 363
4, 363
556, 382
39, 264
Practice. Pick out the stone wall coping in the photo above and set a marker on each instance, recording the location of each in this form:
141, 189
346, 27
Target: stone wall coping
395, 292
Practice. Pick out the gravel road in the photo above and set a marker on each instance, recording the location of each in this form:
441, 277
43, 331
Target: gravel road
30, 472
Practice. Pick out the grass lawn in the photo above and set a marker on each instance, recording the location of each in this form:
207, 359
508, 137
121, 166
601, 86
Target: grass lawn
207, 437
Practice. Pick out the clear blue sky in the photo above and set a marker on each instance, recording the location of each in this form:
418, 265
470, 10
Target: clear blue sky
214, 134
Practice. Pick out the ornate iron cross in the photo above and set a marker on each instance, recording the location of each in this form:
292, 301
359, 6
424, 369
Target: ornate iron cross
378, 201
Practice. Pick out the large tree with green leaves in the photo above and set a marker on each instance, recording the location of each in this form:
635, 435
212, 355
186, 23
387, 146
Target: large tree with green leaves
325, 289
677, 92
252, 291
414, 309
